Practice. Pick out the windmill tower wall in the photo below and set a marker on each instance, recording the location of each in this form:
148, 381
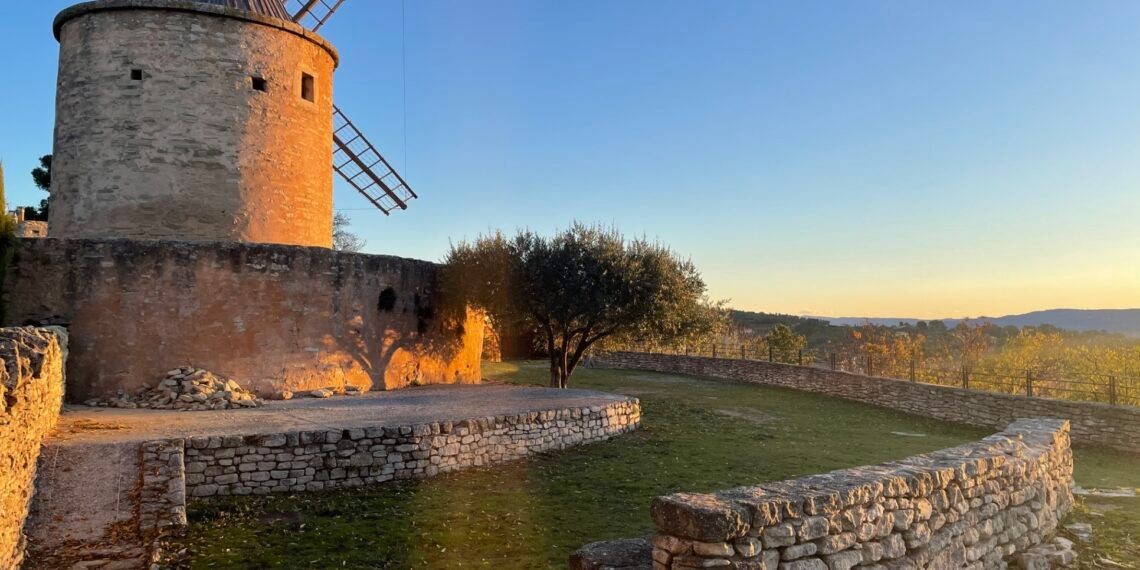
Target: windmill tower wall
188, 121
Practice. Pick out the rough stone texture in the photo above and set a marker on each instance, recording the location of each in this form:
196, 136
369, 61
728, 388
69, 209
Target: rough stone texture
31, 392
191, 151
1099, 424
162, 501
977, 506
31, 229
621, 554
338, 458
270, 317
186, 388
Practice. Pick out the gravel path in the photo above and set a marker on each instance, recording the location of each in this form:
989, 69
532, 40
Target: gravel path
81, 424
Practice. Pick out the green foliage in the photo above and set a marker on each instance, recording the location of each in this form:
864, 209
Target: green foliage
785, 344
41, 175
576, 288
3, 196
817, 332
344, 240
41, 214
7, 246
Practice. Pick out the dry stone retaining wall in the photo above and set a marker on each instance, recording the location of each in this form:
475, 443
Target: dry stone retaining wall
1098, 424
329, 459
975, 506
31, 393
162, 499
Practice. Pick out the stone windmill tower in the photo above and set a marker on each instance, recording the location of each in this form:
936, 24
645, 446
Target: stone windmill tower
204, 120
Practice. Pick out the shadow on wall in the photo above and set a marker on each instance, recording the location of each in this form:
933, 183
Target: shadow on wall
270, 317
408, 344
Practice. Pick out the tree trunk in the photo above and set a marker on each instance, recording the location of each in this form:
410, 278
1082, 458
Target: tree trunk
552, 353
564, 369
555, 371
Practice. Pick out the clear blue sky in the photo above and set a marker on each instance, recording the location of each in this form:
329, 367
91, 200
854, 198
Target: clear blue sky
839, 158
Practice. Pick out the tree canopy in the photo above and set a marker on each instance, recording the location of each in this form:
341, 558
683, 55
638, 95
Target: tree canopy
577, 287
344, 240
41, 174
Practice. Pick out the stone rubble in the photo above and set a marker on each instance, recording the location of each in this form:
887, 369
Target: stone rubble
1056, 554
331, 391
1083, 531
189, 389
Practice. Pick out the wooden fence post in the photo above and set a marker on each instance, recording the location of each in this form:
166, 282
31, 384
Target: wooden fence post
965, 376
801, 357
714, 350
913, 375
1029, 383
1112, 390
742, 352
771, 354
870, 365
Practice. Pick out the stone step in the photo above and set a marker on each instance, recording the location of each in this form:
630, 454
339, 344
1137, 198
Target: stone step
85, 510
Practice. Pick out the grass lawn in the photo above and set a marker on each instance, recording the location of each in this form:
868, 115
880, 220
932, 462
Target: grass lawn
696, 435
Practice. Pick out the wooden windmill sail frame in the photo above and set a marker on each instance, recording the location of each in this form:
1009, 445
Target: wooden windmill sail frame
312, 14
355, 158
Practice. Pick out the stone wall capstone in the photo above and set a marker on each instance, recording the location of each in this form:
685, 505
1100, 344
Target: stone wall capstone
1117, 427
975, 506
270, 317
31, 393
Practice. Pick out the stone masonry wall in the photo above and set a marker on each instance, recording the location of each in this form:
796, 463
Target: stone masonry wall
31, 393
191, 148
270, 317
329, 459
973, 506
162, 495
1098, 424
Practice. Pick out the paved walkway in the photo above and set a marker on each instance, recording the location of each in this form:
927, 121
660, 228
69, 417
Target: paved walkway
82, 424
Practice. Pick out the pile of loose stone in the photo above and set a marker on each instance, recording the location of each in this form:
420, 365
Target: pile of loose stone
187, 388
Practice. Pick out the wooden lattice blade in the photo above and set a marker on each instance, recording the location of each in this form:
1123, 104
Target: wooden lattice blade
357, 161
312, 14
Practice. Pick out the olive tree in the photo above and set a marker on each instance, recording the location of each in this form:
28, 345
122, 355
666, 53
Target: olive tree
576, 288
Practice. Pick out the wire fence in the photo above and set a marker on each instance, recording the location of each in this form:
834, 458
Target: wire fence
1117, 389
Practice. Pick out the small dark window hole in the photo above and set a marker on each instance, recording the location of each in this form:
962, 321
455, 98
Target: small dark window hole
259, 84
308, 90
136, 75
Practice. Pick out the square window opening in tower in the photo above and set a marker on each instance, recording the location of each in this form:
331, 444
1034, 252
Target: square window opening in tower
308, 88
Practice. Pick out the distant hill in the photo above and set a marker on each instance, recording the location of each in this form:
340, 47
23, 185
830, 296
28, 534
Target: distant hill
818, 331
1125, 321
